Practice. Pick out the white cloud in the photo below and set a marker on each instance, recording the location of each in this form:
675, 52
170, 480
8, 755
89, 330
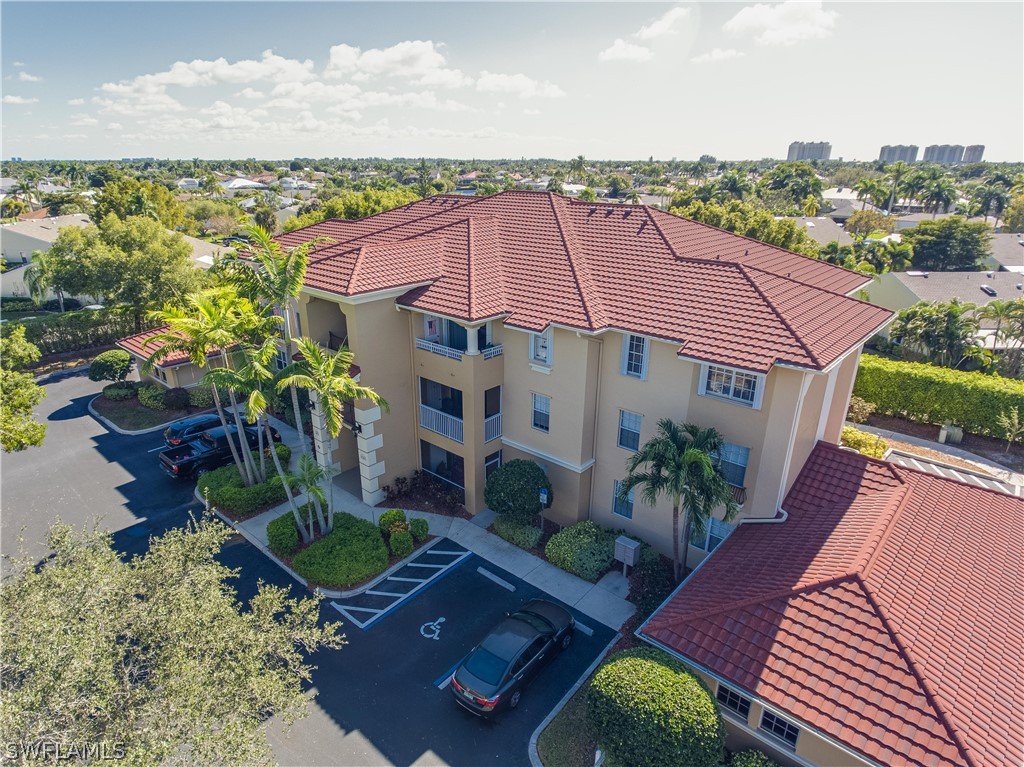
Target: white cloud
114, 126
76, 102
222, 116
201, 72
785, 23
19, 100
74, 136
620, 50
25, 77
83, 119
419, 61
140, 104
531, 112
250, 93
518, 85
663, 25
716, 54
18, 64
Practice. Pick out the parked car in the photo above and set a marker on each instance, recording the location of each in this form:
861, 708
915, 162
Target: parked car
493, 675
207, 451
189, 428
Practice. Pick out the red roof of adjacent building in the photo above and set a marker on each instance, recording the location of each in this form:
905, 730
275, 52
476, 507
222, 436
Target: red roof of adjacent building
536, 258
137, 345
886, 612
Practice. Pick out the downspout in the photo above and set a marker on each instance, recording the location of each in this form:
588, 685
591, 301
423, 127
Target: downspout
805, 384
597, 420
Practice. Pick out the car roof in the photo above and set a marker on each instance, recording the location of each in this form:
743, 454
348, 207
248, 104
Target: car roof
193, 420
509, 637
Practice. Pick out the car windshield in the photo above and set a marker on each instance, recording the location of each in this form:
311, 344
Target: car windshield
534, 620
485, 666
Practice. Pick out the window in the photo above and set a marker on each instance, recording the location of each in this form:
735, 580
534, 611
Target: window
620, 507
629, 430
735, 385
540, 347
733, 701
634, 357
715, 531
541, 412
732, 459
491, 462
780, 728
281, 360
431, 328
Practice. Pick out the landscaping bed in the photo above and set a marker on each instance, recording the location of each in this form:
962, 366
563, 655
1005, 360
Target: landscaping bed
987, 447
131, 415
423, 492
226, 491
54, 363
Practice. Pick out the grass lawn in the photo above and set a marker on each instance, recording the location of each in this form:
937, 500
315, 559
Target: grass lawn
567, 740
132, 416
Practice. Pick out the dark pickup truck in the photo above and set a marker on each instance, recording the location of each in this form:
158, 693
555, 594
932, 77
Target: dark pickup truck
206, 452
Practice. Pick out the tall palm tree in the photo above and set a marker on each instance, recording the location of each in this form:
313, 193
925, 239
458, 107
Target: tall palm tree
866, 189
633, 197
896, 172
306, 479
735, 185
43, 274
681, 462
578, 168
1002, 311
326, 375
939, 193
811, 206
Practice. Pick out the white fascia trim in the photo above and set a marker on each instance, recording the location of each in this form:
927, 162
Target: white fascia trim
579, 468
764, 705
464, 323
363, 298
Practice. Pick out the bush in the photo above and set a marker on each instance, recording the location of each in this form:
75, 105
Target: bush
226, 491
651, 582
176, 398
937, 395
200, 397
152, 396
387, 520
860, 409
71, 331
648, 710
352, 552
866, 444
283, 535
584, 549
752, 758
420, 529
401, 543
118, 392
114, 365
523, 536
513, 490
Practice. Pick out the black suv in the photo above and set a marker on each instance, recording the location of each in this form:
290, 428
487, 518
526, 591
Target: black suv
188, 429
494, 674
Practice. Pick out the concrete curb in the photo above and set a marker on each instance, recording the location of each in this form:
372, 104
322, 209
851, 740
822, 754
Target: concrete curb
114, 428
535, 760
56, 375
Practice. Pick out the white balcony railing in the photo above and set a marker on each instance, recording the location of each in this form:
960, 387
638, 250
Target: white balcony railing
492, 427
493, 351
441, 423
436, 348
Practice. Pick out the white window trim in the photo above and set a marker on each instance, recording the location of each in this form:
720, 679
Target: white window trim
731, 712
705, 372
618, 430
624, 356
548, 335
723, 531
778, 738
630, 499
534, 411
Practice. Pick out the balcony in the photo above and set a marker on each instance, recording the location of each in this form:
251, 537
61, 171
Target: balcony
435, 348
441, 423
739, 494
492, 427
492, 351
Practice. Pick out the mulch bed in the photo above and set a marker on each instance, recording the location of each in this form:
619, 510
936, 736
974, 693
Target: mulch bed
413, 503
132, 415
52, 363
987, 447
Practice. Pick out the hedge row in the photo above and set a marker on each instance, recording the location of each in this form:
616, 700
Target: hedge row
226, 491
28, 305
930, 394
352, 552
584, 549
863, 442
523, 536
72, 331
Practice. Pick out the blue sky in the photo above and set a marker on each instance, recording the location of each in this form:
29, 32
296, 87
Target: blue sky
489, 80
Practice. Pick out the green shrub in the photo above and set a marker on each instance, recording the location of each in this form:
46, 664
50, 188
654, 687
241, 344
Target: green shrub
937, 395
200, 397
513, 490
584, 549
118, 392
74, 330
401, 543
864, 443
860, 409
352, 552
283, 535
419, 528
651, 582
114, 365
227, 492
647, 710
752, 758
387, 520
152, 396
176, 398
523, 536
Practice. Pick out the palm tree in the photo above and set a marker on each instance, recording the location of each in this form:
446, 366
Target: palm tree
307, 478
633, 197
735, 185
811, 206
866, 189
43, 274
1002, 311
578, 168
326, 375
681, 462
939, 193
896, 173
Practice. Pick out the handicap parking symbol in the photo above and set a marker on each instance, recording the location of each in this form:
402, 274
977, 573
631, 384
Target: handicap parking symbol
432, 630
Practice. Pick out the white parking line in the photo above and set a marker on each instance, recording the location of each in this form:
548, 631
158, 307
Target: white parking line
345, 611
447, 681
408, 580
452, 553
162, 447
385, 593
417, 564
500, 581
585, 629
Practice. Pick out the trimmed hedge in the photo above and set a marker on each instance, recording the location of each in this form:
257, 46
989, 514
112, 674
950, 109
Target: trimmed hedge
113, 365
648, 710
419, 528
513, 490
584, 549
391, 519
227, 492
752, 758
651, 581
523, 536
401, 543
936, 395
863, 442
352, 552
84, 329
118, 392
176, 398
152, 396
200, 397
283, 535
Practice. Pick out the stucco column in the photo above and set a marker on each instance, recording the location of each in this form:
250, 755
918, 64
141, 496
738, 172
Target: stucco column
472, 342
324, 444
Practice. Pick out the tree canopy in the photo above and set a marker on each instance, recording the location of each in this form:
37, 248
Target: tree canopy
126, 197
352, 205
948, 244
19, 393
753, 221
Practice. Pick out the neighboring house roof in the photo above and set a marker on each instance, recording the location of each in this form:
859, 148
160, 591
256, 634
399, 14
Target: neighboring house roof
1008, 250
203, 252
913, 219
33, 215
967, 286
885, 613
822, 229
242, 183
843, 209
46, 229
538, 259
137, 345
8, 184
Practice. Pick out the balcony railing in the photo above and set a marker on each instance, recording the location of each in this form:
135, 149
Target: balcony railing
436, 348
492, 427
441, 423
739, 494
493, 351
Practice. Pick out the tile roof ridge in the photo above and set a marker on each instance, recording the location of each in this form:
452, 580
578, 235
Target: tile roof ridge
940, 713
785, 323
884, 526
668, 243
578, 266
350, 285
469, 267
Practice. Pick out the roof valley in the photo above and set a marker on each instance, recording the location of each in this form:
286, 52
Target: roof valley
578, 266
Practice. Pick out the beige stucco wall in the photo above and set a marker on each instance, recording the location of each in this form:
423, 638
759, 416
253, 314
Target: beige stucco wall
889, 292
846, 374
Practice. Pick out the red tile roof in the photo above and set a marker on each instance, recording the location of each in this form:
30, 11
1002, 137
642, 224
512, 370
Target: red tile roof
886, 612
536, 258
137, 345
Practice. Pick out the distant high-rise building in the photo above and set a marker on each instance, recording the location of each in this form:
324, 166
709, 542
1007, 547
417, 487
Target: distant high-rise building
809, 150
974, 152
944, 154
898, 153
